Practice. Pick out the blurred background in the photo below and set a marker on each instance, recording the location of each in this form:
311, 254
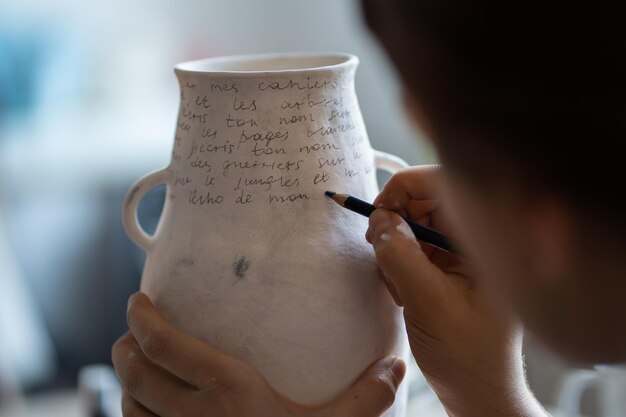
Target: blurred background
88, 103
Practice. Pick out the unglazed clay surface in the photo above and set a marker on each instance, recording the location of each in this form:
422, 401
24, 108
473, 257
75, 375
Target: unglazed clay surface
249, 255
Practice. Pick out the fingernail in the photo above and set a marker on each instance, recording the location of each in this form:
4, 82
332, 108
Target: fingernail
397, 368
404, 228
382, 230
380, 221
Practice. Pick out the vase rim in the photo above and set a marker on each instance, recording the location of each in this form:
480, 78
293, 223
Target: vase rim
267, 64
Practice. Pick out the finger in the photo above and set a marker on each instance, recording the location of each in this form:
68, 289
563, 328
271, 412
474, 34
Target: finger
374, 391
412, 193
419, 283
415, 183
184, 356
421, 210
151, 386
394, 293
131, 408
392, 290
417, 210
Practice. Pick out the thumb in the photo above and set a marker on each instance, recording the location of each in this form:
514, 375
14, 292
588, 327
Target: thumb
374, 391
403, 263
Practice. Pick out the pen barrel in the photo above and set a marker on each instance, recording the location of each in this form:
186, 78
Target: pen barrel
431, 236
428, 235
359, 206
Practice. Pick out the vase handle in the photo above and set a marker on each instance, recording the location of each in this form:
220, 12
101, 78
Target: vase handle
129, 211
574, 386
388, 162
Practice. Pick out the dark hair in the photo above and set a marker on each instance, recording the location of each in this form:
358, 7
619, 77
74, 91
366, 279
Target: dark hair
537, 89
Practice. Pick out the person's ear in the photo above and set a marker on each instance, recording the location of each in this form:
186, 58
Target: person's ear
550, 231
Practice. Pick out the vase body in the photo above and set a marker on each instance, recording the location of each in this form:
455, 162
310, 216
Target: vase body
249, 255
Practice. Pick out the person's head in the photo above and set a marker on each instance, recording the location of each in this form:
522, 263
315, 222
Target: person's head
525, 104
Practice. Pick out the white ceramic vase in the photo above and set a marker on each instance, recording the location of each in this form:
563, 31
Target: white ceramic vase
249, 255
